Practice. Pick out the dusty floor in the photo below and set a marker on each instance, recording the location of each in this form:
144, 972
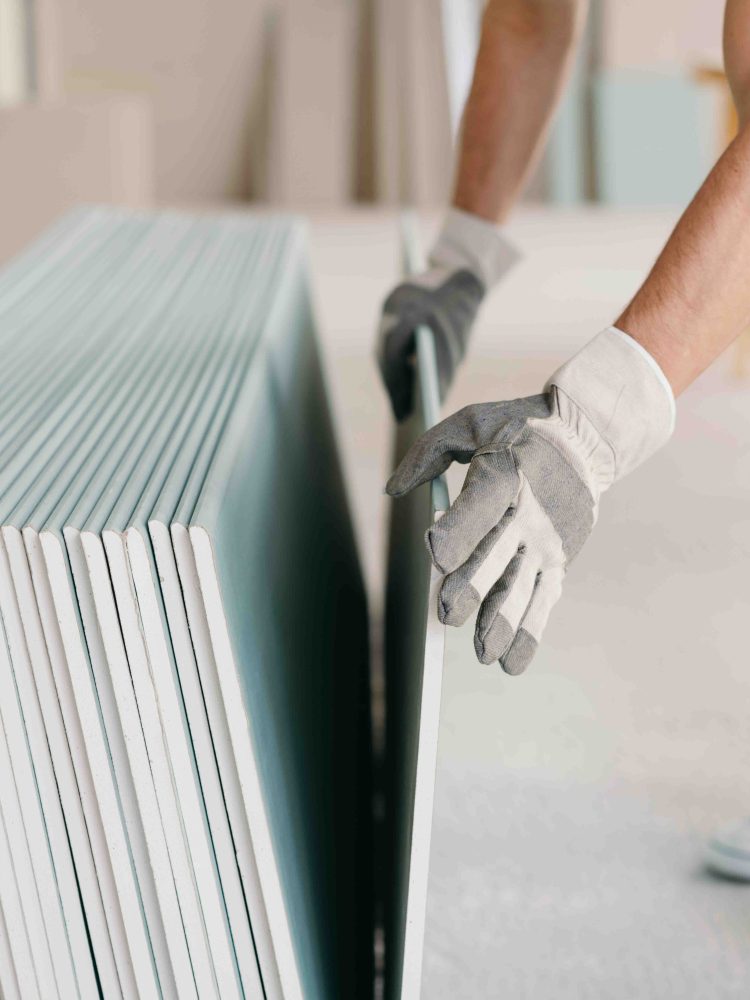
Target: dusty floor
573, 802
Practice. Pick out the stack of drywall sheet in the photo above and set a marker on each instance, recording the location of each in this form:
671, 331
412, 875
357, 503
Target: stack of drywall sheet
414, 644
183, 708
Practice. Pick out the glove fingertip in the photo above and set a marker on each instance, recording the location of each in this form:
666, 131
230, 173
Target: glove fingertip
431, 537
399, 387
520, 654
402, 409
399, 483
484, 656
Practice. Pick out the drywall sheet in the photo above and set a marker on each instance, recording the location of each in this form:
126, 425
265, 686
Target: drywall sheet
32, 293
286, 617
170, 709
144, 532
414, 643
185, 728
79, 418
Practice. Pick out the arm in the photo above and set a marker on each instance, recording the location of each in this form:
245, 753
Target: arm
525, 49
539, 466
525, 52
737, 54
696, 300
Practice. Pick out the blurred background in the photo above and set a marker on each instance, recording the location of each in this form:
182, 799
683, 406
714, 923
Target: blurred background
329, 102
572, 806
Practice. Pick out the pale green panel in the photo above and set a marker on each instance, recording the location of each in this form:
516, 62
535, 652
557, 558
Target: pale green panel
32, 277
656, 137
144, 390
274, 507
70, 430
192, 342
47, 332
179, 492
406, 611
407, 596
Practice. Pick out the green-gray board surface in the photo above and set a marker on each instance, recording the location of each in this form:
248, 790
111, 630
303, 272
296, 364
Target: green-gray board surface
37, 515
284, 604
414, 641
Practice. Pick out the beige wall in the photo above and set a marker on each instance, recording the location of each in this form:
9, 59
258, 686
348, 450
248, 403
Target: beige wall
267, 98
202, 66
314, 98
644, 33
234, 85
57, 155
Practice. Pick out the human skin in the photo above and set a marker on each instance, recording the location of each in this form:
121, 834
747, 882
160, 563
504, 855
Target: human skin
696, 299
525, 52
737, 54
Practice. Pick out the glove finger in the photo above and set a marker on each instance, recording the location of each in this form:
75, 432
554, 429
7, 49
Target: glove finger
452, 440
459, 436
399, 384
394, 352
504, 607
521, 651
491, 487
461, 592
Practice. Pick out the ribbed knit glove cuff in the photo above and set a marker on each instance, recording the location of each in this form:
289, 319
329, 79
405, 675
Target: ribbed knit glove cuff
468, 242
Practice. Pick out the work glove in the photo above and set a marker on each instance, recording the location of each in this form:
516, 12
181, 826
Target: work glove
537, 470
470, 256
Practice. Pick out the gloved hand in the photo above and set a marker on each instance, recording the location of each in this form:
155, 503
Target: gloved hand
469, 257
537, 469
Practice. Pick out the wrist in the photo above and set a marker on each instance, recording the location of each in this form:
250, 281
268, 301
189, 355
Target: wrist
624, 397
467, 242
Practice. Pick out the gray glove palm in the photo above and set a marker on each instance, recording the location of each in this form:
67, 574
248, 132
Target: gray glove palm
537, 469
446, 301
469, 257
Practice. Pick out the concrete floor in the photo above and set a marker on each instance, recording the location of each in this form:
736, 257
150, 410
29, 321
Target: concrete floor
572, 803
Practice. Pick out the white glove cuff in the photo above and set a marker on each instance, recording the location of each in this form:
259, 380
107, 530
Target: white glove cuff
624, 393
466, 241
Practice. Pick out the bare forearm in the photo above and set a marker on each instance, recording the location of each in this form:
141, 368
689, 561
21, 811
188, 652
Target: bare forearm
525, 50
696, 300
737, 54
